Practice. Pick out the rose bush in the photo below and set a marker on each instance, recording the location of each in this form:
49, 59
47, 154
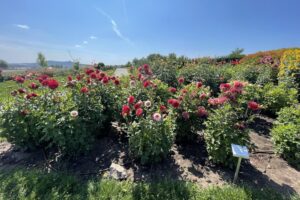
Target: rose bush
189, 105
48, 115
151, 138
150, 129
227, 124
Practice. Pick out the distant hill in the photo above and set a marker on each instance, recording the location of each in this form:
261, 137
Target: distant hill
63, 64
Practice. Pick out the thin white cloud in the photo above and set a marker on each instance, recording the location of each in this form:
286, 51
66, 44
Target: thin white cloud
93, 37
85, 42
22, 26
77, 46
115, 26
125, 10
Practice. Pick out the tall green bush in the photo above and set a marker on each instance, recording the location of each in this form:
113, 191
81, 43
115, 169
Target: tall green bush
223, 128
150, 141
286, 135
277, 97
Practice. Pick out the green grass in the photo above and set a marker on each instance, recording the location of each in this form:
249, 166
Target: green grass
32, 184
5, 88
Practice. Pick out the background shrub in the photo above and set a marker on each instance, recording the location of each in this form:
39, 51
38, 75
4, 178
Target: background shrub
290, 66
257, 57
209, 75
286, 134
277, 97
223, 128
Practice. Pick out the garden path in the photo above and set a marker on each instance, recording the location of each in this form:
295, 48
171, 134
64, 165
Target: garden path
121, 72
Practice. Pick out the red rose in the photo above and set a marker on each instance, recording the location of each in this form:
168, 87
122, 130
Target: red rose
34, 94
88, 80
139, 112
44, 82
238, 84
172, 89
163, 108
52, 84
253, 105
146, 84
181, 80
138, 105
33, 86
130, 99
217, 101
117, 82
19, 79
203, 96
21, 91
199, 84
202, 112
89, 71
78, 77
84, 90
102, 74
225, 87
125, 110
70, 78
105, 79
146, 67
29, 96
43, 77
174, 102
140, 76
93, 75
170, 101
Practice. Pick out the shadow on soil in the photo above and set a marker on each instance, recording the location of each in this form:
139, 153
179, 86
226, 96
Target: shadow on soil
114, 148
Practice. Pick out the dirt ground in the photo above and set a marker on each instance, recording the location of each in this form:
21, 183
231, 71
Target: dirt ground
186, 162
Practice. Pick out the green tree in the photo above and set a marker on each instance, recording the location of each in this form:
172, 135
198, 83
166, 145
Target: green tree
237, 53
3, 64
76, 65
41, 60
100, 65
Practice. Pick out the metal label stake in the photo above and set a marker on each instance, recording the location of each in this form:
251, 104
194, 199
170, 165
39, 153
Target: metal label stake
240, 152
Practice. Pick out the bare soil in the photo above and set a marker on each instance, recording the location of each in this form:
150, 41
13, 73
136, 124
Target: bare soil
185, 162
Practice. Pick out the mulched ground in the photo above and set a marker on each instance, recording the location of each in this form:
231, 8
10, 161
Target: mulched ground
186, 162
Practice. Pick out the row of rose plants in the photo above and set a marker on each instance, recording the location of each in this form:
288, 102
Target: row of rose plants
191, 109
69, 116
62, 116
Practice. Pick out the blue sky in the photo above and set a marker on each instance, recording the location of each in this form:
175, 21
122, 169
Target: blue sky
115, 31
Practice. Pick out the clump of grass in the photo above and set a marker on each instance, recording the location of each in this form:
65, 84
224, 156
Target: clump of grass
32, 184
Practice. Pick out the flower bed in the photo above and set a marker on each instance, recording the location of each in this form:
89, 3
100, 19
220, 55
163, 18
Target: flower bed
69, 115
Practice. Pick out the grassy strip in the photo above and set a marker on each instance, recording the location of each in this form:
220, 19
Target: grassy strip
32, 184
2, 139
